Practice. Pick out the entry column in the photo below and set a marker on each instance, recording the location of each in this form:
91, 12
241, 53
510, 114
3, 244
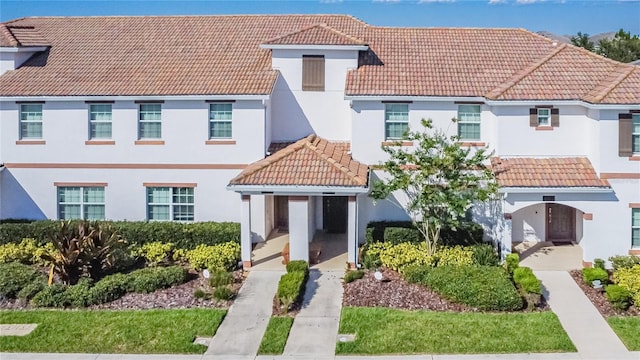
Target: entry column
352, 232
299, 228
245, 231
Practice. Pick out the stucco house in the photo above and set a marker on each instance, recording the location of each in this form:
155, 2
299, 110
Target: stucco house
275, 122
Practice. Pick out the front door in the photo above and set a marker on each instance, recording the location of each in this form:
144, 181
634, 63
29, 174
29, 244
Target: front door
334, 214
281, 209
561, 223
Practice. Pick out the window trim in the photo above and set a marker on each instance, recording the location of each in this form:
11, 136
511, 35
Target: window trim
21, 121
211, 121
94, 122
635, 117
633, 227
388, 121
171, 204
140, 120
547, 116
477, 122
82, 203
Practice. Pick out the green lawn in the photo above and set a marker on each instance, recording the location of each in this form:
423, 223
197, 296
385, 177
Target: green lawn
276, 335
390, 331
628, 330
143, 331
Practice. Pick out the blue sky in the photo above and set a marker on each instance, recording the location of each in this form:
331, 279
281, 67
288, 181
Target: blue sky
558, 16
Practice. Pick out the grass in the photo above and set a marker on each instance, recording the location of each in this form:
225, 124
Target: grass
627, 329
143, 331
276, 335
390, 331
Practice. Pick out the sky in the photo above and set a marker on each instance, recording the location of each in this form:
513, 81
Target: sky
557, 16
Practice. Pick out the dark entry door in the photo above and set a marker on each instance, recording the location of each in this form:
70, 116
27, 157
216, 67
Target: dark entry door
334, 214
561, 223
281, 209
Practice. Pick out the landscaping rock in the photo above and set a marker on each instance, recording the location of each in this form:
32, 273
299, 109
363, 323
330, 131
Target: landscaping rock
599, 298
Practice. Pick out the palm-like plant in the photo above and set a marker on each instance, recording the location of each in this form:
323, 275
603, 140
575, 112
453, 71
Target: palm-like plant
66, 260
101, 243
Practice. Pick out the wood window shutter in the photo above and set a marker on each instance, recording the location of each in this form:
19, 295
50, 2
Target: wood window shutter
312, 73
533, 117
555, 117
625, 127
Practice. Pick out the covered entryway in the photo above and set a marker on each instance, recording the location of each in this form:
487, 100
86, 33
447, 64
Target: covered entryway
310, 190
560, 223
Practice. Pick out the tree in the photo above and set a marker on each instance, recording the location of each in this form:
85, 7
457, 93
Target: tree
582, 40
440, 178
623, 47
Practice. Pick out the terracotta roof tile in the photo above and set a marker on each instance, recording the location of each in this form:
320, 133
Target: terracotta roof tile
318, 34
311, 161
546, 172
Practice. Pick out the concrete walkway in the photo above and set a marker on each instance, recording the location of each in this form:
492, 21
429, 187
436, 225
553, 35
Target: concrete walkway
588, 330
315, 328
241, 331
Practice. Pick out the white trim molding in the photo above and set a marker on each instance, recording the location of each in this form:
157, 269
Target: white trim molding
313, 47
555, 190
297, 190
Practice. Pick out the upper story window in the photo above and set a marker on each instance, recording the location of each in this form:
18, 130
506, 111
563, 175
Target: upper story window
149, 121
544, 117
635, 227
81, 202
313, 73
31, 121
100, 121
635, 134
170, 203
469, 122
220, 121
396, 121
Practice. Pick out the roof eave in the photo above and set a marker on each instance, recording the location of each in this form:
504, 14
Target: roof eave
550, 189
297, 189
313, 47
17, 49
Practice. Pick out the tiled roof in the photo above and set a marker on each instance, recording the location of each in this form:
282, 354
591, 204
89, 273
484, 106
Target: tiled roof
311, 161
14, 36
221, 55
546, 172
319, 34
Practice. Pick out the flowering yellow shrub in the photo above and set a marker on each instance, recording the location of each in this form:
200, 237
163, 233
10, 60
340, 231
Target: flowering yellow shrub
212, 257
456, 255
26, 252
155, 252
398, 256
629, 278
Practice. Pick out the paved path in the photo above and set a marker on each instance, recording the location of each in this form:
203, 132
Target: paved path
588, 330
315, 328
241, 331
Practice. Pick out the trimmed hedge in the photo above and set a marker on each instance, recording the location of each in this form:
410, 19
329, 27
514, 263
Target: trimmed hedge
483, 287
292, 285
15, 276
591, 274
467, 233
182, 235
353, 275
151, 279
618, 296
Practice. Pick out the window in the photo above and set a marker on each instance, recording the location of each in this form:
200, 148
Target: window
100, 121
150, 126
170, 203
81, 202
469, 122
635, 228
313, 73
220, 121
544, 117
635, 134
31, 121
396, 121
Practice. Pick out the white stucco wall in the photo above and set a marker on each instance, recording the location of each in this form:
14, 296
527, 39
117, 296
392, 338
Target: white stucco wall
296, 113
528, 224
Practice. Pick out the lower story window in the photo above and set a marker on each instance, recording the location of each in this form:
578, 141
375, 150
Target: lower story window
170, 203
81, 202
635, 228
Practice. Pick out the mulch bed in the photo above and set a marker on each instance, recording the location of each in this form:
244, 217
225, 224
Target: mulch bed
599, 299
176, 297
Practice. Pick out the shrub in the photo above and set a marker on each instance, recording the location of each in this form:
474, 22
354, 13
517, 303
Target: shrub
28, 292
396, 257
398, 235
511, 262
151, 279
80, 295
290, 288
155, 252
591, 274
297, 265
466, 233
598, 263
485, 254
220, 278
28, 251
353, 275
199, 294
624, 261
110, 288
222, 256
52, 296
482, 287
456, 255
527, 281
15, 276
223, 293
618, 296
416, 274
629, 278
